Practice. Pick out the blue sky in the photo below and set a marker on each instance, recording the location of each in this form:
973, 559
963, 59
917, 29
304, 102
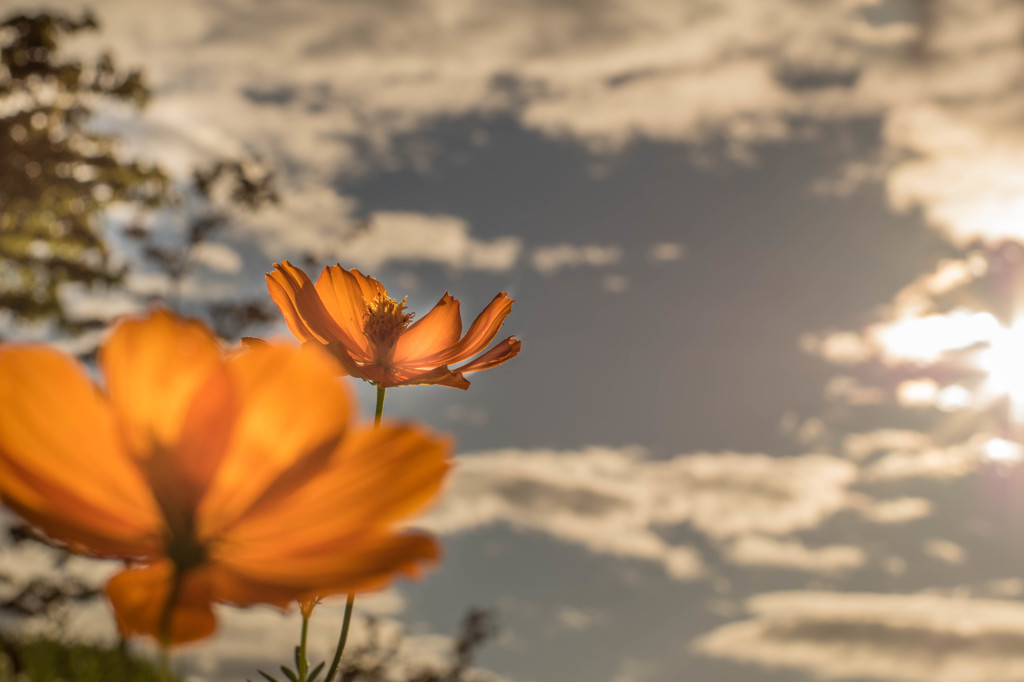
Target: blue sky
762, 257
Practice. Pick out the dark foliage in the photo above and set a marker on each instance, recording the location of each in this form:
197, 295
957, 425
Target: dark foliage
57, 176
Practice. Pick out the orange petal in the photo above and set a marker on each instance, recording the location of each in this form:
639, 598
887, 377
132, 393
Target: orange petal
483, 329
348, 365
440, 376
335, 528
62, 463
252, 342
504, 350
353, 563
154, 367
139, 597
292, 413
303, 311
376, 477
370, 287
434, 333
342, 295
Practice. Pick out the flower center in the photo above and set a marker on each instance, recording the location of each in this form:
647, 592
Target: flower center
384, 322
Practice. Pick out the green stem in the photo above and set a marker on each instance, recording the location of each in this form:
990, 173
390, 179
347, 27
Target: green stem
381, 390
342, 638
380, 405
302, 665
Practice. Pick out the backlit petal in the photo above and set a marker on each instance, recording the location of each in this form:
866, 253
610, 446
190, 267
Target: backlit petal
370, 287
342, 296
154, 366
502, 351
376, 477
292, 413
335, 529
352, 563
483, 329
434, 333
439, 376
303, 311
62, 464
139, 597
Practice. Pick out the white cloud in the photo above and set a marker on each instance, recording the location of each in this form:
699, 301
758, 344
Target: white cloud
611, 501
615, 284
892, 637
848, 389
550, 259
860, 446
580, 620
667, 252
898, 510
346, 87
218, 257
766, 552
950, 461
945, 551
392, 236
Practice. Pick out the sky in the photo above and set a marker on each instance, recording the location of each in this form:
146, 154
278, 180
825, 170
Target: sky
765, 259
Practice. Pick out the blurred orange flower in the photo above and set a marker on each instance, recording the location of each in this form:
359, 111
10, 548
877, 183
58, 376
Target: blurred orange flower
235, 479
370, 333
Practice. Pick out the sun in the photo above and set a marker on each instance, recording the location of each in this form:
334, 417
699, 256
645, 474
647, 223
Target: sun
1003, 361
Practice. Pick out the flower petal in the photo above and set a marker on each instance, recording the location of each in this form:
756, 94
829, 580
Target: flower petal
175, 403
375, 479
342, 296
370, 287
303, 311
439, 376
292, 414
154, 367
353, 563
480, 333
62, 463
139, 597
502, 351
434, 333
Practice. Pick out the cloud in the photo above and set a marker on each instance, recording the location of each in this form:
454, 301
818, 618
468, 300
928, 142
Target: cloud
667, 252
347, 89
550, 259
393, 236
898, 510
860, 446
614, 501
940, 462
578, 620
904, 638
615, 284
945, 551
766, 552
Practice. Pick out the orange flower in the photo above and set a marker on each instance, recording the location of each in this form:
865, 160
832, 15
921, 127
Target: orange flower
234, 479
371, 335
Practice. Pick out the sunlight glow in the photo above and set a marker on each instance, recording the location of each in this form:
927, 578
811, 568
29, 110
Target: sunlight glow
1002, 450
1004, 362
925, 339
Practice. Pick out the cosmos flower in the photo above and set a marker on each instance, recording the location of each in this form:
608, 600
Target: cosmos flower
235, 479
373, 336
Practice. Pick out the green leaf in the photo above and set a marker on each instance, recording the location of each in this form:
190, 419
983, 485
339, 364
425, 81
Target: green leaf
266, 676
316, 671
289, 674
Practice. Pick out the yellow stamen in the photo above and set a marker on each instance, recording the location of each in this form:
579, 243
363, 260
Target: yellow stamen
384, 322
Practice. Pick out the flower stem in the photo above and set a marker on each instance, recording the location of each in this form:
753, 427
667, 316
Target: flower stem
342, 638
380, 405
301, 663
